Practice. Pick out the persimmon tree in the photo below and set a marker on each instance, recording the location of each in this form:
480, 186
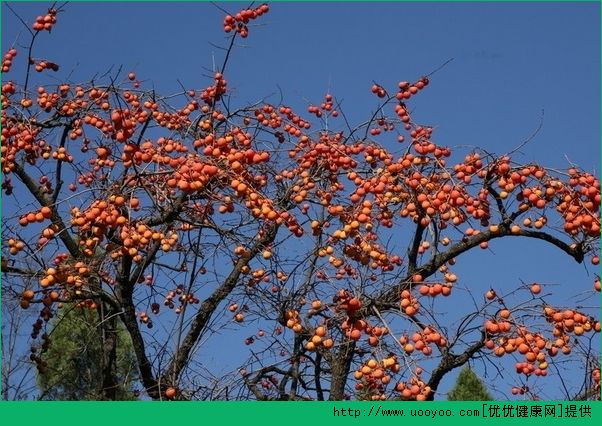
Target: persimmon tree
181, 216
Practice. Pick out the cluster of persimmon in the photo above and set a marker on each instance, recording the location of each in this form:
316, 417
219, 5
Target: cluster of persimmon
7, 60
259, 275
19, 137
159, 154
570, 321
383, 125
188, 299
264, 276
494, 327
470, 166
136, 237
47, 101
15, 246
375, 333
145, 319
435, 289
101, 216
346, 302
26, 298
97, 122
36, 216
342, 271
406, 90
61, 154
533, 346
415, 389
403, 114
41, 364
182, 297
295, 122
238, 312
46, 184
175, 121
581, 205
36, 328
8, 88
363, 248
268, 116
516, 390
123, 123
45, 22
263, 208
444, 200
319, 339
192, 176
369, 253
214, 93
373, 376
409, 303
378, 90
422, 144
42, 65
422, 341
75, 275
293, 320
269, 382
352, 326
120, 124
239, 21
327, 107
577, 202
329, 153
47, 234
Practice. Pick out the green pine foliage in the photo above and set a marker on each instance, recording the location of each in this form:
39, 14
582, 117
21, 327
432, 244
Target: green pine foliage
74, 359
469, 387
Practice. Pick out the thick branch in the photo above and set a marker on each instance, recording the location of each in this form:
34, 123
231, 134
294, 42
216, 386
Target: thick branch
413, 252
59, 165
128, 317
451, 361
150, 257
317, 375
576, 252
18, 271
168, 216
257, 376
202, 317
41, 197
340, 365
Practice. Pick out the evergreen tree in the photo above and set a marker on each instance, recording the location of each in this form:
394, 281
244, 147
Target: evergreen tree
74, 359
469, 387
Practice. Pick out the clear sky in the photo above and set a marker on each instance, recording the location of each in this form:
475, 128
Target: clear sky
510, 62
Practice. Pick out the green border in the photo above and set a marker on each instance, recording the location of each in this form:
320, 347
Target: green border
297, 413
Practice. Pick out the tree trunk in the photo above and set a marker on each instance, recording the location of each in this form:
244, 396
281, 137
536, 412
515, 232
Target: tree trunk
339, 366
108, 335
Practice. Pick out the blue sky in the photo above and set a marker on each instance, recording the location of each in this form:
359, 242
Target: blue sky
510, 62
